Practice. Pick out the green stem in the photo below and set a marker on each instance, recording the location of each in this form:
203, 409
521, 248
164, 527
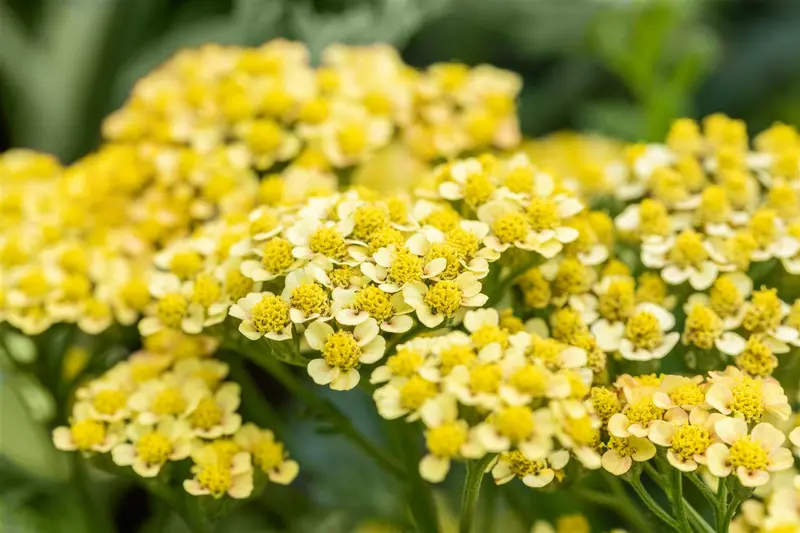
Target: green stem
724, 524
722, 502
97, 517
620, 503
697, 520
254, 406
651, 504
704, 489
323, 407
476, 469
404, 440
677, 501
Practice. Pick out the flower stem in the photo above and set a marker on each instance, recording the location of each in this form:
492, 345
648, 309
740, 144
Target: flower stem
651, 504
724, 524
678, 503
469, 495
323, 407
618, 501
705, 490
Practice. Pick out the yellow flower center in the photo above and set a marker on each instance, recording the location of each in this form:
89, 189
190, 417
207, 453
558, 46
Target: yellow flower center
793, 319
405, 362
521, 466
266, 222
171, 309
651, 288
314, 111
109, 401
444, 297
270, 192
644, 331
329, 242
75, 287
88, 434
748, 399
415, 392
688, 250
444, 219
169, 401
74, 260
530, 379
567, 324
684, 136
535, 289
725, 298
514, 422
763, 227
511, 227
478, 188
216, 478
621, 445
455, 355
764, 313
520, 180
739, 248
341, 351
405, 268
487, 334
265, 136
367, 220
398, 210
714, 205
450, 254
547, 351
375, 302
605, 403
644, 411
618, 302
690, 440
750, 454
237, 285
134, 294
270, 315
582, 431
310, 299
649, 380
669, 186
543, 214
34, 283
268, 454
352, 138
446, 440
225, 449
481, 125
615, 267
757, 358
186, 263
572, 524
277, 255
572, 277
688, 393
207, 290
206, 415
154, 448
783, 199
703, 327
485, 378
464, 242
509, 323
386, 237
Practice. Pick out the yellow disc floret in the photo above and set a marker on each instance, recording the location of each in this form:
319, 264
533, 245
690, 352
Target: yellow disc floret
703, 327
270, 315
310, 299
341, 351
277, 255
154, 448
444, 298
374, 302
644, 331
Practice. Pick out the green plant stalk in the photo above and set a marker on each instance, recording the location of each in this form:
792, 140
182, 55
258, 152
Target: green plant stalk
678, 502
651, 504
705, 490
476, 469
722, 502
618, 502
724, 524
321, 406
697, 520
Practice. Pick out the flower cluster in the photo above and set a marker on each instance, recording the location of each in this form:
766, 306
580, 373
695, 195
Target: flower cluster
168, 403
271, 106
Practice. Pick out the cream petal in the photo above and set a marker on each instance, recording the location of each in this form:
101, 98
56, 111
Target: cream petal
366, 331
768, 435
373, 351
717, 455
320, 372
434, 469
616, 464
704, 278
285, 473
317, 333
752, 478
544, 478
398, 324
346, 380
435, 267
246, 329
730, 343
730, 429
348, 317
675, 275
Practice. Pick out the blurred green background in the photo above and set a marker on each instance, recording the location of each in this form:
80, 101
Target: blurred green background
621, 67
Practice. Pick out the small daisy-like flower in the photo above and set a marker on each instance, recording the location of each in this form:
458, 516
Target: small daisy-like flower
733, 392
578, 430
686, 257
623, 451
267, 453
639, 416
703, 328
173, 308
477, 385
343, 352
750, 456
411, 358
687, 440
263, 315
390, 311
215, 415
644, 337
322, 241
534, 474
764, 314
308, 299
726, 298
276, 260
680, 391
85, 433
517, 427
397, 269
106, 399
165, 398
649, 221
447, 437
151, 447
405, 397
443, 299
186, 258
218, 475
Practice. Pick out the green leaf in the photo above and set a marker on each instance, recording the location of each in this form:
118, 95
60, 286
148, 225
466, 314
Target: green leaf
257, 20
19, 347
25, 443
